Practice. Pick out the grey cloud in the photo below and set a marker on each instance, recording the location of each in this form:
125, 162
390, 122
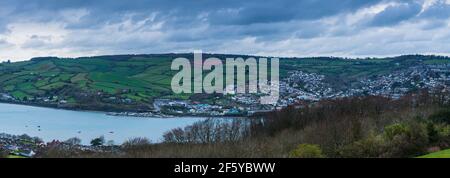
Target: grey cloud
4, 44
37, 42
250, 11
440, 10
395, 14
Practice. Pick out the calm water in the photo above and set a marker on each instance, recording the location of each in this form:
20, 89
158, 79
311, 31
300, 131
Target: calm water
63, 124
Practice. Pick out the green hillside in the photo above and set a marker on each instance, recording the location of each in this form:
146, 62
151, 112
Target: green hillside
139, 78
133, 81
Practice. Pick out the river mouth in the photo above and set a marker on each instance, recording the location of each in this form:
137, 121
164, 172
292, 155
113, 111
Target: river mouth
56, 124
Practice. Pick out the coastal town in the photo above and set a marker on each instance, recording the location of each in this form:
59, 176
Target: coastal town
300, 87
297, 87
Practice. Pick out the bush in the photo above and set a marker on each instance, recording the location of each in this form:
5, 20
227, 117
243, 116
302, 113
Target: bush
390, 132
442, 116
398, 140
408, 140
433, 133
3, 153
371, 147
100, 141
306, 151
73, 141
137, 147
443, 135
139, 141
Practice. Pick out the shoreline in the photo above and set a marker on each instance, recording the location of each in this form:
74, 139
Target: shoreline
120, 113
49, 106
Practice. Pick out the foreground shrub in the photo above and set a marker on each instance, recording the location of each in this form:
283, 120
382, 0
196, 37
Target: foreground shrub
73, 141
390, 132
139, 141
100, 141
307, 151
398, 140
371, 147
443, 135
3, 153
442, 116
137, 147
407, 140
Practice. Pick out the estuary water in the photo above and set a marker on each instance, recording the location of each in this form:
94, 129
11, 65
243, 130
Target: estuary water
55, 124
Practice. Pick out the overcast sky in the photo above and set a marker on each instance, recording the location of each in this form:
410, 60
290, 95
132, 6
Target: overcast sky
71, 28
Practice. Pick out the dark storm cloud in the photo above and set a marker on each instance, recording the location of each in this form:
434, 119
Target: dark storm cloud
277, 11
231, 12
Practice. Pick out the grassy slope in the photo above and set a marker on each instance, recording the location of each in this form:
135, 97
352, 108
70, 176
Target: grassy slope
146, 77
149, 76
439, 154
